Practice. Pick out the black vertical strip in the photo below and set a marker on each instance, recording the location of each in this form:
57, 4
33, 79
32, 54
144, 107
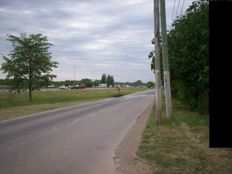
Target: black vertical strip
220, 79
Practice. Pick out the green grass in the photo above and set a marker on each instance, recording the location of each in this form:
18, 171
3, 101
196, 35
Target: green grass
17, 104
181, 145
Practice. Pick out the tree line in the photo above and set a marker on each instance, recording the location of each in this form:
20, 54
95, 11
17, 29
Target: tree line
188, 56
29, 66
108, 80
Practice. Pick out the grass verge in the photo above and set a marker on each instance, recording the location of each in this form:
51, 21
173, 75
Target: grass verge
17, 104
181, 145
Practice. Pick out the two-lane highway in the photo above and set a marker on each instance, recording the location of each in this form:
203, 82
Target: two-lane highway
80, 139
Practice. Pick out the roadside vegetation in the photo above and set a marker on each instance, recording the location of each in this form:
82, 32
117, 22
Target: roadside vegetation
189, 56
17, 104
181, 145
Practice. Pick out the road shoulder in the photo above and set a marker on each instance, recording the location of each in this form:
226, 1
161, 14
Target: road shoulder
125, 160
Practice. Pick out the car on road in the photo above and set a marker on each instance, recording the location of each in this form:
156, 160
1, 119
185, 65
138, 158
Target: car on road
51, 86
74, 87
63, 87
82, 86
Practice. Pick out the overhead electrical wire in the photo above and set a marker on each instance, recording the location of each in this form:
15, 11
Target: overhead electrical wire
177, 7
182, 7
173, 8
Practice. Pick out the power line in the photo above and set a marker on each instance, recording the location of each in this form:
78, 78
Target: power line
177, 7
173, 8
182, 7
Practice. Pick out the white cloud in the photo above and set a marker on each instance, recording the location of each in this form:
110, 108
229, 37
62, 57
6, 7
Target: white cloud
108, 36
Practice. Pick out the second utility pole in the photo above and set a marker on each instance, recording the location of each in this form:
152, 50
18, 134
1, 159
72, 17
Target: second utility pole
157, 61
167, 85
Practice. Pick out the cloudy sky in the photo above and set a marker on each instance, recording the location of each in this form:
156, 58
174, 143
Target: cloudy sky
90, 37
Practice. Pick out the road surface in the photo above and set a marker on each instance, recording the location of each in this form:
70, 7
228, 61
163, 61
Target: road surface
80, 139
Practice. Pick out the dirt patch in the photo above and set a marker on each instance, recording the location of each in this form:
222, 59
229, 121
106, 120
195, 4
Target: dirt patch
125, 160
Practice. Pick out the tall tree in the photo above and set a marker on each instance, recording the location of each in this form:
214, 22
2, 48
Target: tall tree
103, 78
29, 64
110, 80
188, 53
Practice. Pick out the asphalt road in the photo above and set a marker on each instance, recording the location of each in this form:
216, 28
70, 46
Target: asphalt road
80, 139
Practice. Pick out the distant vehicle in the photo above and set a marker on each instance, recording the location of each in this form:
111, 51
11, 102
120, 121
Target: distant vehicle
102, 85
63, 87
74, 87
82, 86
51, 86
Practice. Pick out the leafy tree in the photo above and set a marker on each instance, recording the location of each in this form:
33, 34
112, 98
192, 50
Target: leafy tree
103, 78
87, 82
138, 83
150, 84
29, 64
152, 57
70, 83
4, 82
110, 80
96, 82
188, 54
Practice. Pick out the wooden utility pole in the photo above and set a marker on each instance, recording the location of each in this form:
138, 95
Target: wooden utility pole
157, 61
167, 85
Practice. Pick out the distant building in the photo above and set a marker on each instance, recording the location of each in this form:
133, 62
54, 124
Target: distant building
51, 86
102, 85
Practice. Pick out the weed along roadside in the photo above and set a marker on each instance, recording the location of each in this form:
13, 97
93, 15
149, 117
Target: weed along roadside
182, 145
17, 104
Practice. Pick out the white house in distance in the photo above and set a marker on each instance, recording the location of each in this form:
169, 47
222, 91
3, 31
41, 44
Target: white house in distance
102, 85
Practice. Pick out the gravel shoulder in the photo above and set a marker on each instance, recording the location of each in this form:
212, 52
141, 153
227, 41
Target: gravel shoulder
125, 159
